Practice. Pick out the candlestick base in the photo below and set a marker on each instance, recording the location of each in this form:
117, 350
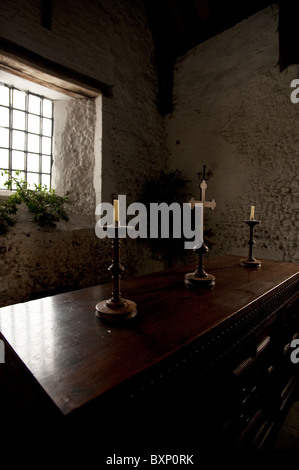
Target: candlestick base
251, 263
193, 281
108, 310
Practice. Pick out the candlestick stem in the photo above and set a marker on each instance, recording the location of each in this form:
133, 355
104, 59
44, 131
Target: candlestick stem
116, 269
116, 308
251, 261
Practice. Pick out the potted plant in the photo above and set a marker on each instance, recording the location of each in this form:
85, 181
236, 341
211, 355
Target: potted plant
165, 186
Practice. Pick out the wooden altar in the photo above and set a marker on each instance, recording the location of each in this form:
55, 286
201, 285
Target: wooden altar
202, 368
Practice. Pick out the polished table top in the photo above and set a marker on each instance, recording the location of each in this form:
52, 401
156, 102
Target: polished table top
75, 357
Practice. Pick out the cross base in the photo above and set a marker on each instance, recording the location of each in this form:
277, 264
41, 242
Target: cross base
193, 281
253, 263
199, 278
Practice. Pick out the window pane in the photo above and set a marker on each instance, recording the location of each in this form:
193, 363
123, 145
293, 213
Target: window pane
4, 137
46, 145
4, 116
18, 120
34, 104
32, 162
4, 158
19, 99
18, 140
17, 160
33, 143
4, 95
47, 127
46, 180
47, 108
32, 178
46, 164
33, 123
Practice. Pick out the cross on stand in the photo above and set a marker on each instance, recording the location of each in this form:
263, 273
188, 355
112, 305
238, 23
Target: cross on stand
211, 204
199, 278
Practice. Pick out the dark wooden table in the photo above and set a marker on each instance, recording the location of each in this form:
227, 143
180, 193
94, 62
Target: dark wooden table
64, 366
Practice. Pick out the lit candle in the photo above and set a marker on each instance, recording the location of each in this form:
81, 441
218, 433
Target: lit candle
252, 213
115, 207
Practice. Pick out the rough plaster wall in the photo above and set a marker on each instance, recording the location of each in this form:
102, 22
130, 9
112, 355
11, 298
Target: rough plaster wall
233, 113
36, 262
111, 42
74, 156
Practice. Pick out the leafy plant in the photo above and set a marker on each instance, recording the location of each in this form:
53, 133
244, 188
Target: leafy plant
7, 210
166, 187
46, 206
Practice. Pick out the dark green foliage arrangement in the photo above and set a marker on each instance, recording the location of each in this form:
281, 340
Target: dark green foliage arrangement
47, 207
169, 187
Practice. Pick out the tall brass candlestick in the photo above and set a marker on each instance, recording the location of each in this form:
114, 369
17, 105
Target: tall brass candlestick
116, 308
251, 261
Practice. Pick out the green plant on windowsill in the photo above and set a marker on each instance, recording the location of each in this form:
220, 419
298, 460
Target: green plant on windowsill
46, 206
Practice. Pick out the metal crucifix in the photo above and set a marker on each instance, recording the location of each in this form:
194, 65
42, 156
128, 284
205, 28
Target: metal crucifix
200, 277
211, 204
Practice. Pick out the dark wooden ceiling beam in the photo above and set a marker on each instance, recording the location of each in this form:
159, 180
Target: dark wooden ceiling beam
288, 33
177, 16
202, 8
165, 35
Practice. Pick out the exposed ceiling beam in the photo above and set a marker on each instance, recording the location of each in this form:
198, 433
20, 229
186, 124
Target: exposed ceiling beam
177, 16
288, 33
202, 8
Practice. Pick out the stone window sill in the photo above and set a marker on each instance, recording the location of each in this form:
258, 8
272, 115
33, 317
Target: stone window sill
25, 225
4, 194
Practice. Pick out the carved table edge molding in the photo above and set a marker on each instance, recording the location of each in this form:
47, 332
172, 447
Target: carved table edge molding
214, 346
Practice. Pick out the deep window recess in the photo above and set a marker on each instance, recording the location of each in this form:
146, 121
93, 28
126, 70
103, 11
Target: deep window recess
26, 131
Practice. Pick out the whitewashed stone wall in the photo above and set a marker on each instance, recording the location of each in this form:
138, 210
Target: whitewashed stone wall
43, 262
37, 261
233, 113
111, 42
74, 153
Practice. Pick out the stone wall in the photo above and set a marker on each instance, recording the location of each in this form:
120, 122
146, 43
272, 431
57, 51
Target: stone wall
233, 113
36, 261
110, 42
74, 153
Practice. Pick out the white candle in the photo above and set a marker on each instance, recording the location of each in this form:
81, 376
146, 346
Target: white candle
115, 207
252, 213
